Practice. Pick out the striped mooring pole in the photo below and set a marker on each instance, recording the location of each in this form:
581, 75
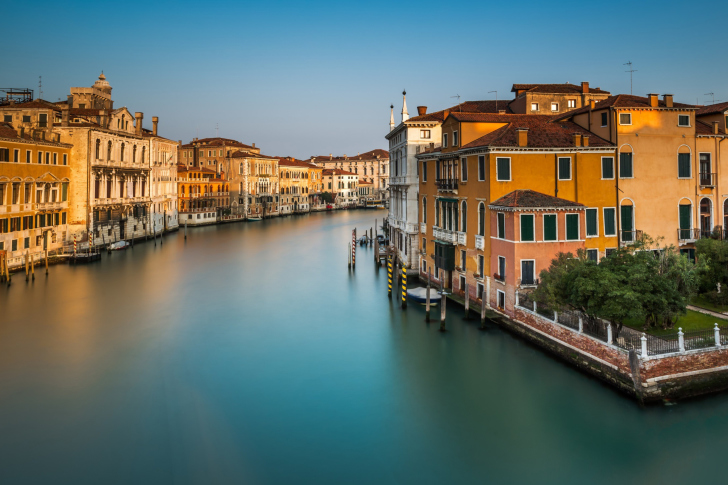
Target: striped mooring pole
74, 246
404, 287
389, 275
353, 249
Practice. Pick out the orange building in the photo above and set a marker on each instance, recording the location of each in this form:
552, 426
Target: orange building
201, 194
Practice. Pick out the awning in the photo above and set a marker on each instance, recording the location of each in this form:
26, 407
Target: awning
446, 199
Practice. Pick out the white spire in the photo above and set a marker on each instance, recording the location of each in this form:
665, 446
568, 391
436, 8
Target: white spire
391, 117
405, 114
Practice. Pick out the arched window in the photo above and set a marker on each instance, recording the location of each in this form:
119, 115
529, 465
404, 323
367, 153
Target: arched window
98, 149
122, 152
464, 217
108, 150
481, 219
144, 151
133, 154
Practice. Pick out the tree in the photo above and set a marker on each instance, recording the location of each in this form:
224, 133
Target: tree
713, 255
327, 197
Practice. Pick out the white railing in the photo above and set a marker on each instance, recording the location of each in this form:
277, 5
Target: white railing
426, 148
399, 180
45, 206
479, 242
423, 228
462, 238
445, 235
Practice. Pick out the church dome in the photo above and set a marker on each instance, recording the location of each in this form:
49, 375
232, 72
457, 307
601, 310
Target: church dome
102, 84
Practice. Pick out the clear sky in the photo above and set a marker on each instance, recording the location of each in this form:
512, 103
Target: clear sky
312, 78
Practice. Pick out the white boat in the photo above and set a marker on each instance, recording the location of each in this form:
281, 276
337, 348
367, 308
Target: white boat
420, 295
119, 245
255, 218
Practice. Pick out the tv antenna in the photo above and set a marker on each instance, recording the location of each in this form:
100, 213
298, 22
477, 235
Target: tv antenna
40, 86
712, 95
460, 108
496, 99
630, 71
217, 129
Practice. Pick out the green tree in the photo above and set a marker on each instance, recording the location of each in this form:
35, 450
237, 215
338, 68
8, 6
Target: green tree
713, 256
327, 197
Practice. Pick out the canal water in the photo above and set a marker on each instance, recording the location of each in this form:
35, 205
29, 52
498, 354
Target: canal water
251, 354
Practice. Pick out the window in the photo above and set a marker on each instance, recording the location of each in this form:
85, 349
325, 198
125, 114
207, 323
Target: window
444, 140
16, 155
464, 169
592, 255
501, 226
42, 120
454, 138
424, 171
479, 291
627, 222
685, 216
607, 168
55, 159
463, 259
503, 169
501, 268
481, 168
481, 264
47, 158
464, 217
683, 165
554, 106
27, 156
625, 166
564, 168
592, 223
4, 155
625, 118
572, 227
549, 228
528, 230
481, 219
40, 157
683, 120
534, 106
425, 134
424, 209
571, 103
604, 120
528, 271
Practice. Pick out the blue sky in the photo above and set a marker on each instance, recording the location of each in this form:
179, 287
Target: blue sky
314, 78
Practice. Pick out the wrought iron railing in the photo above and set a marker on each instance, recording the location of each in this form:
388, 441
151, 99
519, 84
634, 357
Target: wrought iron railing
688, 234
446, 184
629, 237
707, 179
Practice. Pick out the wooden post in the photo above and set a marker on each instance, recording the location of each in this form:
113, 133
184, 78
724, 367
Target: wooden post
482, 311
7, 270
186, 228
27, 272
467, 302
46, 260
389, 276
427, 302
376, 253
404, 288
348, 252
443, 305
32, 266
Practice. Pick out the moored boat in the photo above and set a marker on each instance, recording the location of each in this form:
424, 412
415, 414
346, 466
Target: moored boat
119, 246
419, 295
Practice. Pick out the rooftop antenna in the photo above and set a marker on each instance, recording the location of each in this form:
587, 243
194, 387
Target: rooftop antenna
460, 108
40, 86
496, 99
712, 95
217, 130
630, 71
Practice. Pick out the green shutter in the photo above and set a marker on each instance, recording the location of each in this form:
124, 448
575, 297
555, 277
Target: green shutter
572, 227
564, 168
626, 220
464, 225
501, 225
683, 165
64, 192
549, 224
610, 228
527, 227
685, 211
625, 165
607, 168
591, 222
504, 169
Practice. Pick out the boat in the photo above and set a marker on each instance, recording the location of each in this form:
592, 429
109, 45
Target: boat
255, 218
419, 295
119, 246
363, 240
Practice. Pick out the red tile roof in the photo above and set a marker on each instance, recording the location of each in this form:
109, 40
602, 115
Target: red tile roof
7, 131
624, 101
36, 104
703, 128
712, 109
486, 106
244, 154
542, 133
370, 155
529, 199
216, 141
565, 88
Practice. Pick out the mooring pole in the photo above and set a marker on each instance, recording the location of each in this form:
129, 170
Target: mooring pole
427, 302
483, 304
7, 269
376, 253
348, 254
389, 276
467, 302
404, 287
32, 266
185, 229
443, 305
46, 262
27, 272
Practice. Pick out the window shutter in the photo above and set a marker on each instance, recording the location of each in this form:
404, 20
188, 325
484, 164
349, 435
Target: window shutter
527, 227
572, 227
625, 165
481, 168
591, 222
683, 165
626, 217
564, 168
685, 217
549, 223
609, 222
501, 225
607, 168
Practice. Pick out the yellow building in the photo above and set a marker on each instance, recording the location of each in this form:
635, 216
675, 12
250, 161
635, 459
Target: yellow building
201, 194
34, 191
315, 186
294, 180
259, 186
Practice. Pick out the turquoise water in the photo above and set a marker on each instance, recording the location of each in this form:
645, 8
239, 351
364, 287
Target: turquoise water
251, 354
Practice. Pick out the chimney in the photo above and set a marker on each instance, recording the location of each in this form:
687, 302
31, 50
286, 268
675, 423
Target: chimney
422, 110
584, 87
654, 103
577, 139
64, 115
501, 111
447, 113
70, 100
715, 127
253, 145
591, 104
139, 117
668, 100
585, 140
522, 137
155, 122
104, 124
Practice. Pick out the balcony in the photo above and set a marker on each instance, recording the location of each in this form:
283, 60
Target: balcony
50, 206
462, 238
685, 236
423, 228
427, 148
480, 242
707, 179
629, 237
398, 180
445, 235
446, 184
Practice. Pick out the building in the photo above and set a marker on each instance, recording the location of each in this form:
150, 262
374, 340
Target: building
366, 192
503, 192
553, 99
163, 180
211, 152
34, 190
342, 185
294, 186
202, 195
259, 187
371, 167
315, 187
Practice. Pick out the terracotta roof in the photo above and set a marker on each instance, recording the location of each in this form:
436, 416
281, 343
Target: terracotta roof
216, 141
365, 182
336, 171
287, 162
495, 118
527, 199
623, 101
486, 106
542, 133
371, 154
37, 104
7, 131
565, 88
244, 154
703, 128
712, 109
84, 112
